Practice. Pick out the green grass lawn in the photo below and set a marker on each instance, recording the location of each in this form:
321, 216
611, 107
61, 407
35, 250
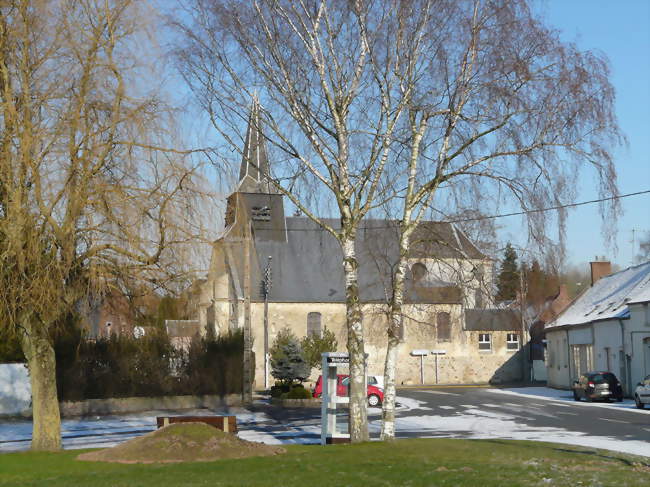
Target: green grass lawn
418, 462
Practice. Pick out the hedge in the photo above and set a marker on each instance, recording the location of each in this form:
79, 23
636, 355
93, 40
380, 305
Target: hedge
123, 366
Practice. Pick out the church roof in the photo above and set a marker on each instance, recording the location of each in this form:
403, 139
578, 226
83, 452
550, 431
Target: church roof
307, 267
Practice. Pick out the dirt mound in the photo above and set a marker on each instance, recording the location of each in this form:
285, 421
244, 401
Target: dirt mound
182, 442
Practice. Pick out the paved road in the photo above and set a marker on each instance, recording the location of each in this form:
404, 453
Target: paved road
509, 412
526, 413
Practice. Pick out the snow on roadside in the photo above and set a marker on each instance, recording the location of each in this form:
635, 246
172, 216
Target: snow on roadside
107, 431
479, 424
563, 396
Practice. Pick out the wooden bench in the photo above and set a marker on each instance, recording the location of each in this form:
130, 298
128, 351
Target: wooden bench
223, 423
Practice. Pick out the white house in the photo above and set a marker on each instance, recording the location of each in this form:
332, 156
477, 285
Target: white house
605, 328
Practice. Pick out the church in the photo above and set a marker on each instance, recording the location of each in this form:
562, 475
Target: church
271, 271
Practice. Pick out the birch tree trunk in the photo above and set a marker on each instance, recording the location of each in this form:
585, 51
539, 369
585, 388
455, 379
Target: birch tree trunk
356, 349
38, 349
396, 320
392, 348
395, 330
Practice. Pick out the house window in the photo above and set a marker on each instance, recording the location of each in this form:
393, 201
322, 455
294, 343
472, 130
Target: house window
314, 324
443, 326
484, 342
512, 341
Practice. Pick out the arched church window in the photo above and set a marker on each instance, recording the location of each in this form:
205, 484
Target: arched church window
443, 326
418, 271
314, 324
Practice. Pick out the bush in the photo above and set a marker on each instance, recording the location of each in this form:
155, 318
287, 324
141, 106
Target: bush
314, 346
123, 366
214, 364
279, 389
287, 362
299, 393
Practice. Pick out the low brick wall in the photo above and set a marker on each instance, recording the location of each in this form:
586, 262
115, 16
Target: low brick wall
122, 405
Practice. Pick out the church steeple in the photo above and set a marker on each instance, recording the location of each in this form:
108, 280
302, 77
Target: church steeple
254, 171
255, 195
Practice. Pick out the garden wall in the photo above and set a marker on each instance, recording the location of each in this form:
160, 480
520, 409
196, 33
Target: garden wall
15, 390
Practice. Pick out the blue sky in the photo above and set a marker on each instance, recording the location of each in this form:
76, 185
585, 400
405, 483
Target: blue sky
621, 30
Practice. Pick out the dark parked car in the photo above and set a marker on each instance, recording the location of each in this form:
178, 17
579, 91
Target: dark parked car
594, 386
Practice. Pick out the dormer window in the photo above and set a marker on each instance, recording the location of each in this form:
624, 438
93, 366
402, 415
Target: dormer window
261, 213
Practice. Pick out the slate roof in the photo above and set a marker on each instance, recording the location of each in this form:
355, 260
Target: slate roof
608, 297
492, 320
307, 267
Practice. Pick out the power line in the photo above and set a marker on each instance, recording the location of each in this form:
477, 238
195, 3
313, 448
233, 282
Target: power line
502, 215
551, 208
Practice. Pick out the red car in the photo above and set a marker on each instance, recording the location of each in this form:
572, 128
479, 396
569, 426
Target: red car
375, 395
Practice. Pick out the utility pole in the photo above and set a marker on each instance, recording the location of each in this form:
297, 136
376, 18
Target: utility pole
247, 390
266, 289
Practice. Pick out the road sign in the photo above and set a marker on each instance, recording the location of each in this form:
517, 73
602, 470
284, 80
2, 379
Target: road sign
419, 353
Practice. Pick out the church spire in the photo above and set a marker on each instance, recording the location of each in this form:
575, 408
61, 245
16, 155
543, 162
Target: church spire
254, 171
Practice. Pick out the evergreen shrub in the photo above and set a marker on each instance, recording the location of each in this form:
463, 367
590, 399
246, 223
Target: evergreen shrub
288, 363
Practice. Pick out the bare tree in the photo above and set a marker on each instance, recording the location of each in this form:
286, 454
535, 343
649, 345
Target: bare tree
644, 248
325, 109
499, 109
435, 106
87, 192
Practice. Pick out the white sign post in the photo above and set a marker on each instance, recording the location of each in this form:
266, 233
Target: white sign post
330, 365
435, 353
421, 354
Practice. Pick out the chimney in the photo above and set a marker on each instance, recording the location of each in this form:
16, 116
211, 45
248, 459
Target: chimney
600, 269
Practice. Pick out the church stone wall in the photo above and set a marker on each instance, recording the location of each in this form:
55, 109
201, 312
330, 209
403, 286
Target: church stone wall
463, 363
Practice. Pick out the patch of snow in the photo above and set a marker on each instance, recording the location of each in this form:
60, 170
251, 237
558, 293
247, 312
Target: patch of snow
407, 403
105, 431
491, 425
260, 437
565, 398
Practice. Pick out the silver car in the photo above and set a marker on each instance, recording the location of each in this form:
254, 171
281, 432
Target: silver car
642, 393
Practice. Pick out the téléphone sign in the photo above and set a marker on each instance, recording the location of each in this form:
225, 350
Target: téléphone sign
338, 360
